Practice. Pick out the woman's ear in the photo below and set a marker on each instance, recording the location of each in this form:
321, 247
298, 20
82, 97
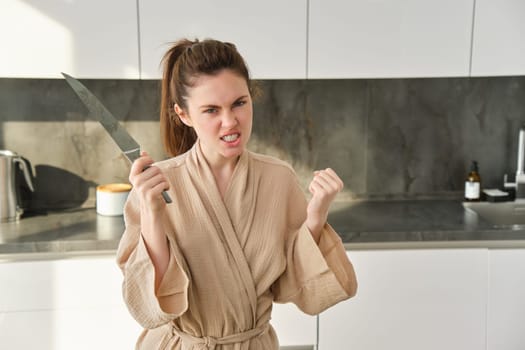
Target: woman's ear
182, 115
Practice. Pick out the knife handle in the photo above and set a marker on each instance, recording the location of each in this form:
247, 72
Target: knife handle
164, 194
166, 197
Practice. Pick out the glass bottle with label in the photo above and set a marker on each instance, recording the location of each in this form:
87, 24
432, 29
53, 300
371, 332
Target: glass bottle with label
473, 183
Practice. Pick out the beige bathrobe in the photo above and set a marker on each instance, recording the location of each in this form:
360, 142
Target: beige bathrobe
230, 258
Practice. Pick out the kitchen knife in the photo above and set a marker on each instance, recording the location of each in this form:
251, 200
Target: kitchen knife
122, 138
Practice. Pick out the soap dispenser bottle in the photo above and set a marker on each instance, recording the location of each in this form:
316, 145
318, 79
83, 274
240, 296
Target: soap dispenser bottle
473, 183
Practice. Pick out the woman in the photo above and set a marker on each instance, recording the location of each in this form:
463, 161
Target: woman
202, 272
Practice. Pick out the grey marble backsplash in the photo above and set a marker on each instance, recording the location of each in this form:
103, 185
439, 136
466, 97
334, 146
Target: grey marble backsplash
393, 138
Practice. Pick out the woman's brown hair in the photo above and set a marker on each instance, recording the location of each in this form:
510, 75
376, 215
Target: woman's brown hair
183, 63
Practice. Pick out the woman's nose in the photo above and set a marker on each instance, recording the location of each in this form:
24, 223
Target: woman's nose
229, 119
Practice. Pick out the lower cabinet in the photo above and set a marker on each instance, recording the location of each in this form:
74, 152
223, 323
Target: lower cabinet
407, 299
412, 299
64, 304
295, 329
76, 303
506, 307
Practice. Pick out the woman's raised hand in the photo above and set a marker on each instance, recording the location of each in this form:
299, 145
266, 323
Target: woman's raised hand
324, 187
149, 183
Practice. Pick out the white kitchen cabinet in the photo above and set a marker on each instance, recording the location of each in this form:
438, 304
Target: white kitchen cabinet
64, 304
271, 35
412, 299
506, 308
292, 326
87, 39
76, 303
65, 329
389, 39
498, 46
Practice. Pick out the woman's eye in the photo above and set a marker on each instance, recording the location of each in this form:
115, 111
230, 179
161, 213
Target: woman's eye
239, 103
210, 110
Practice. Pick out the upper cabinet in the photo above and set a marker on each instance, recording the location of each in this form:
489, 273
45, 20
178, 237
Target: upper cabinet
271, 35
498, 46
294, 39
389, 39
87, 39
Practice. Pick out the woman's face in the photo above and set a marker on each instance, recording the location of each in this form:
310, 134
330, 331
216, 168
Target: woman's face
219, 108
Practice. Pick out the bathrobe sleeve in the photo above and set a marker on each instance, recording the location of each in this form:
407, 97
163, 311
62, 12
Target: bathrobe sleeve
317, 276
150, 308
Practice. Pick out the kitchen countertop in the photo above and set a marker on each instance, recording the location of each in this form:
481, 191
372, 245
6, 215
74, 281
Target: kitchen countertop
367, 224
70, 231
430, 223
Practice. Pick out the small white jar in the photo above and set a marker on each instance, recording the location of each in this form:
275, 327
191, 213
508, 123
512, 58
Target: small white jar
111, 198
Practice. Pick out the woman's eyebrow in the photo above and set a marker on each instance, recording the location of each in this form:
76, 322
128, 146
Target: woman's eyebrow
209, 106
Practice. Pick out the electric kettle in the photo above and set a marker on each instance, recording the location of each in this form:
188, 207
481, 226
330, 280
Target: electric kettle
10, 208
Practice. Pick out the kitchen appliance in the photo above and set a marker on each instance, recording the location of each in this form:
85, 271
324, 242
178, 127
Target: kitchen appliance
122, 138
10, 165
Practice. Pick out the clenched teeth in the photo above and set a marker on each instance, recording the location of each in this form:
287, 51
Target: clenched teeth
230, 138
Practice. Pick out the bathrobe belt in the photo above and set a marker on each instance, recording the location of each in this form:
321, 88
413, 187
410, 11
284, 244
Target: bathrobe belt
209, 343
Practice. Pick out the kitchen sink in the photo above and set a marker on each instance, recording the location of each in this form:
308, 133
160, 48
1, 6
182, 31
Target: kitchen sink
503, 213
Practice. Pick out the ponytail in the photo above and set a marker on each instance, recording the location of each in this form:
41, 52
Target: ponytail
177, 136
184, 62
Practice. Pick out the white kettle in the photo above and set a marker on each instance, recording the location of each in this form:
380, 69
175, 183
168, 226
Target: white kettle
9, 198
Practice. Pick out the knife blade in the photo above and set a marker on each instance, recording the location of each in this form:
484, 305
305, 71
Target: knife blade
122, 138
